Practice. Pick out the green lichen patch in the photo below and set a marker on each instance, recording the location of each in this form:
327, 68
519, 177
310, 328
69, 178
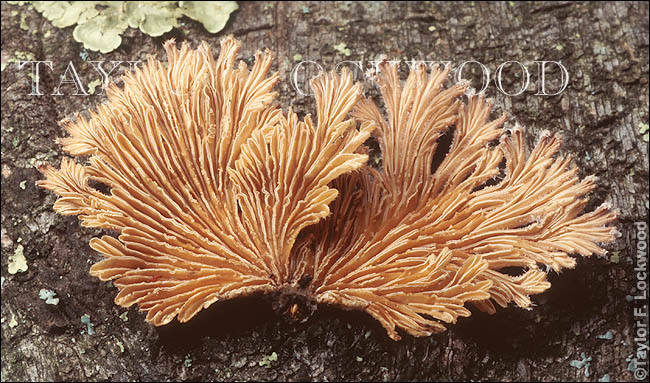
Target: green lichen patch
18, 57
13, 322
212, 14
100, 24
92, 85
643, 129
64, 14
48, 296
267, 360
584, 362
102, 33
17, 262
342, 49
607, 336
85, 319
118, 343
152, 18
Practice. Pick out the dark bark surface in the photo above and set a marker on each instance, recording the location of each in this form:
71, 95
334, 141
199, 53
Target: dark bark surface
605, 50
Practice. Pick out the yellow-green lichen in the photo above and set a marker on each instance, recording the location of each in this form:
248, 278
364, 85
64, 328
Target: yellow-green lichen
342, 48
93, 84
85, 319
23, 22
64, 14
153, 19
18, 57
119, 343
48, 296
643, 129
607, 336
102, 32
212, 14
584, 362
17, 262
100, 24
267, 360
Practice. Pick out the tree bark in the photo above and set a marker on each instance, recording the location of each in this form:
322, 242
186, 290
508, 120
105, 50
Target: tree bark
604, 47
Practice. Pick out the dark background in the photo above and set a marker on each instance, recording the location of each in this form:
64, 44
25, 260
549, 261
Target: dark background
604, 46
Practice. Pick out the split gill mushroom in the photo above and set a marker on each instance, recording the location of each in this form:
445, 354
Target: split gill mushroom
217, 193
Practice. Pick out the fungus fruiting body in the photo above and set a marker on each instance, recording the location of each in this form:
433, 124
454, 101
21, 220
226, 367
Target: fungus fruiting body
216, 193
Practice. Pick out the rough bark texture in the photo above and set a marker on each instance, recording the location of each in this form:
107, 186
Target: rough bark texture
603, 46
